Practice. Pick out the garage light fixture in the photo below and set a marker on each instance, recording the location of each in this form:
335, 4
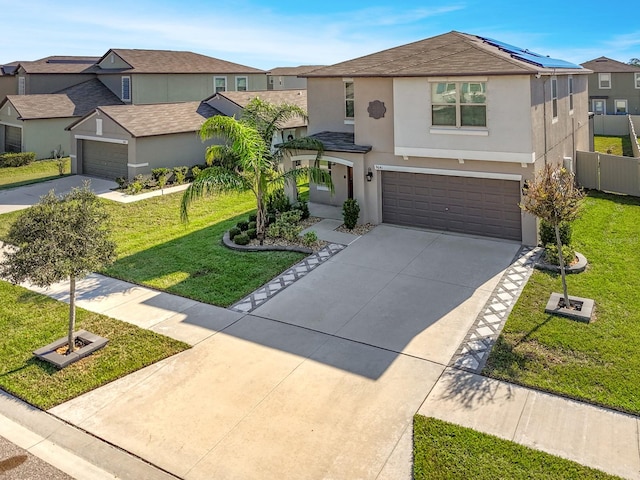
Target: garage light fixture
369, 175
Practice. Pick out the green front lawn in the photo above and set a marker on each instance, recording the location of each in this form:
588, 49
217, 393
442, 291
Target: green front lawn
597, 362
29, 321
613, 145
157, 250
39, 171
443, 451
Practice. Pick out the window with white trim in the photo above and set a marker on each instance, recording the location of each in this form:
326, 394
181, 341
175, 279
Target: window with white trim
599, 106
604, 80
570, 85
242, 84
554, 97
459, 104
126, 89
620, 107
219, 84
349, 101
21, 85
637, 80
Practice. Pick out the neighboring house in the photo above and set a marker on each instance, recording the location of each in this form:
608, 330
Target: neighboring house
36, 123
52, 74
286, 78
127, 140
445, 132
232, 103
163, 76
614, 87
8, 80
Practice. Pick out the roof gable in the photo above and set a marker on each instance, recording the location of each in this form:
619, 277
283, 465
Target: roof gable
607, 65
169, 61
449, 54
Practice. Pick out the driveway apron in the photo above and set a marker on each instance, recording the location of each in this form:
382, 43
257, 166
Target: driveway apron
320, 381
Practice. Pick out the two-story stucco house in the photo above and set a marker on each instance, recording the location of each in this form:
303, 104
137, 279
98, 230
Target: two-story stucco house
287, 78
444, 133
614, 87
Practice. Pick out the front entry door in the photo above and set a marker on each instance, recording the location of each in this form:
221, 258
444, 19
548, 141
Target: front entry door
349, 182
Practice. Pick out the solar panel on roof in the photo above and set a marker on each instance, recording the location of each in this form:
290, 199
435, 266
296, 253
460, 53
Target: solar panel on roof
529, 56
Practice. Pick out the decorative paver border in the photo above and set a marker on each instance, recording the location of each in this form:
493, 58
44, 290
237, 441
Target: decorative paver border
299, 270
474, 350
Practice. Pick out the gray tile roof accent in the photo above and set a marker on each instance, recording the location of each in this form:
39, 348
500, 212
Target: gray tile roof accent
60, 64
169, 61
449, 54
295, 96
160, 119
293, 70
74, 101
340, 142
607, 65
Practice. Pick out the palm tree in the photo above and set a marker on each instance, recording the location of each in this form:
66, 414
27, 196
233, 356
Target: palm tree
254, 164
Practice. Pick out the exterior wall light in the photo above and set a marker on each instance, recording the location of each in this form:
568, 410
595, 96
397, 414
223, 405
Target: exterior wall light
369, 175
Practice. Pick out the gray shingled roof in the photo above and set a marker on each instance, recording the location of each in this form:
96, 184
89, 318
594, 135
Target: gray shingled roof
60, 64
294, 70
74, 101
159, 119
169, 61
449, 54
340, 142
296, 97
607, 65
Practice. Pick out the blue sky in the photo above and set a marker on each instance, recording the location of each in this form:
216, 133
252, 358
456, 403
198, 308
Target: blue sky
265, 34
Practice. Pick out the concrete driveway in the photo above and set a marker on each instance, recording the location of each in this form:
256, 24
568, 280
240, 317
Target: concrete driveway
321, 381
23, 197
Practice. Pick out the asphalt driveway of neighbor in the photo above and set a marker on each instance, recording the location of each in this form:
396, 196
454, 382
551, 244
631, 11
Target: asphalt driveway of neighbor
321, 381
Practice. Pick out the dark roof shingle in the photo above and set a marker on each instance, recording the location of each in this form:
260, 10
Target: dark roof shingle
340, 142
60, 64
169, 61
449, 54
74, 101
607, 65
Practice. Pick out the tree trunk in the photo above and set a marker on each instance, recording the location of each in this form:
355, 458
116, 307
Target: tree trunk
72, 313
260, 227
561, 261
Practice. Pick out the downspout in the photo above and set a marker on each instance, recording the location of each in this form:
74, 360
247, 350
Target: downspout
544, 116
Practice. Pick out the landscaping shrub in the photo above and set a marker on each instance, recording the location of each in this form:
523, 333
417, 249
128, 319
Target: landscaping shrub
253, 217
233, 231
310, 238
548, 233
136, 185
252, 233
286, 226
243, 225
241, 239
350, 212
180, 174
122, 182
195, 171
161, 175
17, 159
251, 225
303, 207
277, 202
271, 218
551, 254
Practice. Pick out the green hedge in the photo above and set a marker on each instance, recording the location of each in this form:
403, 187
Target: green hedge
17, 159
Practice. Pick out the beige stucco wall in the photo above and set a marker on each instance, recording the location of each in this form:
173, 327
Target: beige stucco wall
286, 82
325, 105
8, 86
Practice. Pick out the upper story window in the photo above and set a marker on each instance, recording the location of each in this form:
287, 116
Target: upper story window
604, 80
570, 85
621, 107
599, 106
126, 89
349, 101
459, 104
21, 85
241, 84
637, 80
220, 84
554, 97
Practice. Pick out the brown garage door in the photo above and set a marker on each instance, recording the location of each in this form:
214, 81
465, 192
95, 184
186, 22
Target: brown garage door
12, 139
104, 159
477, 206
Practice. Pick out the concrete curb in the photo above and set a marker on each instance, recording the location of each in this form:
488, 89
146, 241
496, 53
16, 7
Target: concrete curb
578, 267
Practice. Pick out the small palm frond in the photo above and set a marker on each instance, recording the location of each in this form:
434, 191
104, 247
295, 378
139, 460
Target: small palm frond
313, 174
269, 118
297, 144
221, 156
209, 181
